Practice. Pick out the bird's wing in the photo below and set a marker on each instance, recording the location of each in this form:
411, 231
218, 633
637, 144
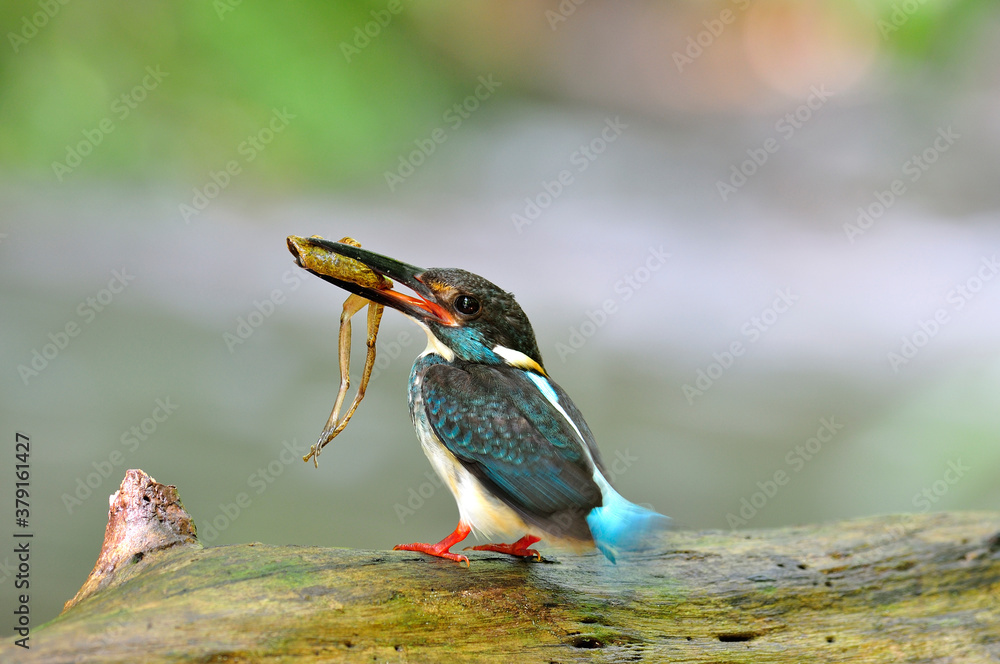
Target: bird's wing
504, 430
577, 417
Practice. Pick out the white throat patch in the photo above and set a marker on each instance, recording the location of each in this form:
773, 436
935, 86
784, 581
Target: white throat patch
434, 345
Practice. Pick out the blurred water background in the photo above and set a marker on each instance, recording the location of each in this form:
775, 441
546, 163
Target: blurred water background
757, 240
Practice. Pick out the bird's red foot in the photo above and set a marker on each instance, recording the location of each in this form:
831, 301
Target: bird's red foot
440, 549
518, 548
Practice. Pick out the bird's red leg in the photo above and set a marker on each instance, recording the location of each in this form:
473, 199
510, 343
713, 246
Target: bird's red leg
440, 549
518, 548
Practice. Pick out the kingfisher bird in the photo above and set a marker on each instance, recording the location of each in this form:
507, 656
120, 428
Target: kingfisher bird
507, 441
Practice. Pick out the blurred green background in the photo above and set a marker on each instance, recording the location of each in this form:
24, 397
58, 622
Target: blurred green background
819, 342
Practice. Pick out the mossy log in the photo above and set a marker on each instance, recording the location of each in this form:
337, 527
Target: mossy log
884, 589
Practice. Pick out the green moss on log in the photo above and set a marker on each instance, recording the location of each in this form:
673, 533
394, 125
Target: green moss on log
887, 589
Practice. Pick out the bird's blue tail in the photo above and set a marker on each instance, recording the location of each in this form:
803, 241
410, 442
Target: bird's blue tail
620, 526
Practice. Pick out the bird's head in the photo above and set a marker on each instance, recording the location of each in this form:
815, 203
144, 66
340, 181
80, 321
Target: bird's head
465, 315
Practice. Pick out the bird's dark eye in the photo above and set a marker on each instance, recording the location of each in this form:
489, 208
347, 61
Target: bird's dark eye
467, 305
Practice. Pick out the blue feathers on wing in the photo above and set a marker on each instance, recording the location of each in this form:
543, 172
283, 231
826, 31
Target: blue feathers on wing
521, 435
